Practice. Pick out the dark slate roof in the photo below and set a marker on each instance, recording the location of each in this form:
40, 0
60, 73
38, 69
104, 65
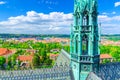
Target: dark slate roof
110, 71
62, 71
63, 59
56, 73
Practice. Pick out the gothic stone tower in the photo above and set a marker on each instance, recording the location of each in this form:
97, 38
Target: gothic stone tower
84, 39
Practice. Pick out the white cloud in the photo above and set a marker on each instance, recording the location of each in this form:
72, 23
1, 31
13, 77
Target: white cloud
113, 12
117, 4
110, 25
2, 2
51, 2
105, 18
48, 2
53, 23
33, 22
105, 13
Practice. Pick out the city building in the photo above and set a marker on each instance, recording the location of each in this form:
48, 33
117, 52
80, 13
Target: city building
26, 60
28, 39
54, 56
5, 52
105, 57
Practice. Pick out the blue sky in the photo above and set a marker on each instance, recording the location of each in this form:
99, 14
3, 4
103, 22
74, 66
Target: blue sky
52, 16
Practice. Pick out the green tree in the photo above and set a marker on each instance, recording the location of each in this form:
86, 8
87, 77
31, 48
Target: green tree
43, 52
2, 61
106, 61
67, 48
114, 51
12, 60
36, 60
48, 61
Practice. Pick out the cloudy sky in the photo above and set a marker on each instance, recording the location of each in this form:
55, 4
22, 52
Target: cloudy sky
52, 16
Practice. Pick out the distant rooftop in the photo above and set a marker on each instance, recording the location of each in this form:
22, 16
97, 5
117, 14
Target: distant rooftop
25, 58
105, 56
4, 51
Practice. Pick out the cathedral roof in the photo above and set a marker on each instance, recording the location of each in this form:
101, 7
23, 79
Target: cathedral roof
92, 76
62, 71
110, 71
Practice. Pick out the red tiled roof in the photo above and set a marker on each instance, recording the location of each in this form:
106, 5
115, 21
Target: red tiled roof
30, 50
25, 58
105, 56
26, 39
4, 51
54, 55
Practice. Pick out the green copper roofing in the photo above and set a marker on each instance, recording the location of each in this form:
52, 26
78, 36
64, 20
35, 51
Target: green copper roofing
84, 47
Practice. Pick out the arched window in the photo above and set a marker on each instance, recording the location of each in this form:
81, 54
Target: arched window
76, 44
84, 44
85, 18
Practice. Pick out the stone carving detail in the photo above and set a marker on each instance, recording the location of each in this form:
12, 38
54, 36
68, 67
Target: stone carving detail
84, 5
85, 68
94, 6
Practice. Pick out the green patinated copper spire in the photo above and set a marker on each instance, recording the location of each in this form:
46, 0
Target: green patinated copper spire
84, 39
